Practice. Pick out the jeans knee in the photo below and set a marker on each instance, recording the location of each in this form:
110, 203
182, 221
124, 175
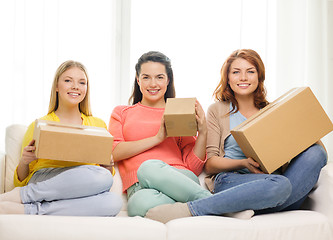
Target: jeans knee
137, 204
279, 190
101, 177
318, 153
147, 168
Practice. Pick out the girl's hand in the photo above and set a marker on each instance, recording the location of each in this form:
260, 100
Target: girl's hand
28, 154
201, 118
252, 165
161, 134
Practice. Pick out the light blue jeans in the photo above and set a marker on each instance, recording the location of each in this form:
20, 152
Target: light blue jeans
160, 183
264, 193
71, 191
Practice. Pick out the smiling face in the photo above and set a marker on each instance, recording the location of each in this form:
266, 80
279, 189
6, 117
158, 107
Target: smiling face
243, 78
71, 87
153, 82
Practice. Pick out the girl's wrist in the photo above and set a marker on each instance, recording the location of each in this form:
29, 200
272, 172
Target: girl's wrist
202, 131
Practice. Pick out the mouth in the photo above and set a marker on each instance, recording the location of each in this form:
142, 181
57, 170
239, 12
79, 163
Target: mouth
153, 91
74, 94
243, 85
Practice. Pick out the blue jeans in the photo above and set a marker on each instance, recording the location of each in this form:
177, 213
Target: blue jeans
264, 193
71, 191
160, 183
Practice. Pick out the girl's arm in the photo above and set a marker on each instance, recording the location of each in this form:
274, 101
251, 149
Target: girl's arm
199, 148
28, 155
216, 161
218, 164
129, 149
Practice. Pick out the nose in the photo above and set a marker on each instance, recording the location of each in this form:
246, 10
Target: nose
153, 82
75, 85
243, 76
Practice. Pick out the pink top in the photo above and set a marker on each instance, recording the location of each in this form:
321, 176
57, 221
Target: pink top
136, 122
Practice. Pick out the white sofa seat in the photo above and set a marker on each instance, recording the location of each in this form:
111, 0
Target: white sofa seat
314, 223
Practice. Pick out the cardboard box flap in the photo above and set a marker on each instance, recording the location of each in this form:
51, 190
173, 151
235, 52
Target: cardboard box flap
284, 98
186, 107
73, 128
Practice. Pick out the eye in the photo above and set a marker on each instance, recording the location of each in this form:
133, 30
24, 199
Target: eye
235, 72
67, 80
251, 71
83, 83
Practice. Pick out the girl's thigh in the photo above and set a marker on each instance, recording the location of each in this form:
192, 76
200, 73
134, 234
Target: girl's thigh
226, 180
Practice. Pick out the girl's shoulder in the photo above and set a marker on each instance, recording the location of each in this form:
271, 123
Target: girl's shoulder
219, 107
123, 109
49, 117
93, 121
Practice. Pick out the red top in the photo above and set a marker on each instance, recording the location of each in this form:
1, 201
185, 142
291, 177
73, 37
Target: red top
136, 122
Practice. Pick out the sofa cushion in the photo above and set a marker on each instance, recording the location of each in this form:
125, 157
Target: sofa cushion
305, 225
34, 227
13, 145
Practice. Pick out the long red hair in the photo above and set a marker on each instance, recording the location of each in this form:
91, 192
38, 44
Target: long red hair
223, 91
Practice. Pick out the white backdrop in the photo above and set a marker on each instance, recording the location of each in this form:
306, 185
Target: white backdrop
108, 36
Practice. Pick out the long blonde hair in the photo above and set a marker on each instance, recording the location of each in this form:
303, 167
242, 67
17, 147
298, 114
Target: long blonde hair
84, 106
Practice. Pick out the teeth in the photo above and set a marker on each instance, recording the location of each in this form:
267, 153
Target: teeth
243, 85
74, 94
153, 91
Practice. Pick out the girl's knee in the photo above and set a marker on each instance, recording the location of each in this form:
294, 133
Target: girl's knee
314, 157
143, 200
101, 177
319, 153
279, 190
149, 166
138, 204
147, 171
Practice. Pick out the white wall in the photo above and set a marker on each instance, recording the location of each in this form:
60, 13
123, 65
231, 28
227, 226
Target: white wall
296, 44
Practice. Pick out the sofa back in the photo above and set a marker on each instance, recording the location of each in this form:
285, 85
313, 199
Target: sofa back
13, 145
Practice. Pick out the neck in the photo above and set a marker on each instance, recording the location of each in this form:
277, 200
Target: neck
69, 115
246, 106
158, 104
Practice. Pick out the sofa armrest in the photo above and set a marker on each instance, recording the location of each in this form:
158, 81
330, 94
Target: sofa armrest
2, 171
321, 198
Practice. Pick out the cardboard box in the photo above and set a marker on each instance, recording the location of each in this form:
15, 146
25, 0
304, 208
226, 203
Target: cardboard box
77, 143
283, 129
179, 116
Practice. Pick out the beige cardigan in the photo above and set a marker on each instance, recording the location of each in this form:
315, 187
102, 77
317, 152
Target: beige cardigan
218, 126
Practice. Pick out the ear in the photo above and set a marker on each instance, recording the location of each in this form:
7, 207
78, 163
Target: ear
137, 80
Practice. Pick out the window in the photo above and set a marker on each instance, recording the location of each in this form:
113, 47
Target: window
199, 35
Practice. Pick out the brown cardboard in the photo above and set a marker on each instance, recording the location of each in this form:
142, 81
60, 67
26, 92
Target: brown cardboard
179, 117
283, 129
77, 143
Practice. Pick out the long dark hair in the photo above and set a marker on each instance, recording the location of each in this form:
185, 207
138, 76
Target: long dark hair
152, 56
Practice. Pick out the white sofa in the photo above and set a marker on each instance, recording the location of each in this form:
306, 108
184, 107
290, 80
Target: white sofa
315, 223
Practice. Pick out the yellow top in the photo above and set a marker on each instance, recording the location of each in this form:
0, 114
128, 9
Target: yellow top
47, 163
